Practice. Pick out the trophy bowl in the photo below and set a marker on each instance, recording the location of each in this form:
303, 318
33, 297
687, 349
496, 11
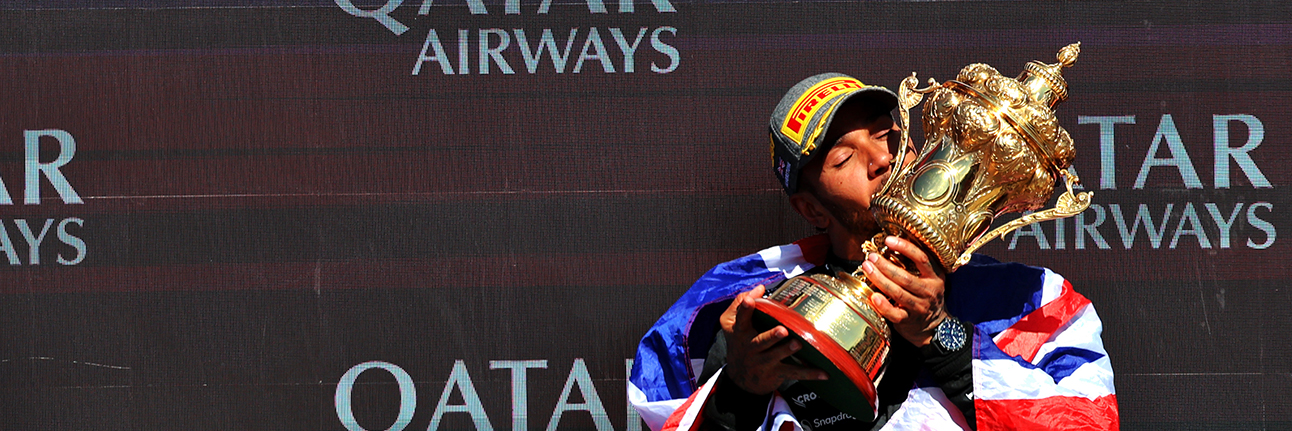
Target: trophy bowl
992, 146
841, 334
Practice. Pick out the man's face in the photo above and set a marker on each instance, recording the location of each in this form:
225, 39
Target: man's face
844, 179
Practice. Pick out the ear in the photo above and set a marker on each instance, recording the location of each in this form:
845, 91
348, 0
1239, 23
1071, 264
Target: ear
811, 209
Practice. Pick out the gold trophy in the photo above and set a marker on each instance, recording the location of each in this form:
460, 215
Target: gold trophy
992, 146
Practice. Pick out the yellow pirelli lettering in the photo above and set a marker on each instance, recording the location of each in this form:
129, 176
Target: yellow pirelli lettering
813, 99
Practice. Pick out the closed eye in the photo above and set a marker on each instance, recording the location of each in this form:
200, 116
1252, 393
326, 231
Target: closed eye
845, 160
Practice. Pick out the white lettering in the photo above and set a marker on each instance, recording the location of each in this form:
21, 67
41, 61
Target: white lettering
6, 245
830, 420
459, 378
345, 388
477, 7
548, 41
596, 6
4, 194
494, 53
1190, 222
1142, 215
519, 389
802, 400
433, 42
1166, 131
626, 6
464, 51
1261, 224
1195, 228
69, 239
1107, 146
1058, 235
591, 401
1083, 229
666, 49
33, 241
494, 44
1224, 223
381, 14
628, 50
594, 41
66, 150
1255, 134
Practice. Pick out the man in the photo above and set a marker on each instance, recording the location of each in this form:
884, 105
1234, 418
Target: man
999, 346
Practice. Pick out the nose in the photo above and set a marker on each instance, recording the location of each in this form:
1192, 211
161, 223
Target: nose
881, 161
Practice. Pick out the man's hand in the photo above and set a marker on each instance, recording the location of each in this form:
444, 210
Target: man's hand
753, 358
916, 305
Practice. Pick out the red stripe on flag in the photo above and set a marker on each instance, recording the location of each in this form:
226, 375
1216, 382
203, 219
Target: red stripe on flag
1024, 338
675, 420
1053, 413
814, 248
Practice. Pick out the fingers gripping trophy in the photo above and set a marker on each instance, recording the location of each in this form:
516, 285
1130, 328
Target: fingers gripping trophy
992, 146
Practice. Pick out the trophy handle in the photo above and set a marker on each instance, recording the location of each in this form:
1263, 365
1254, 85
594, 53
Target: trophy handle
1068, 205
907, 97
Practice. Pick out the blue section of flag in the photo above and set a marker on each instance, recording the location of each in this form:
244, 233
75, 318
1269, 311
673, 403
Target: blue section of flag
1059, 363
1062, 362
661, 368
993, 295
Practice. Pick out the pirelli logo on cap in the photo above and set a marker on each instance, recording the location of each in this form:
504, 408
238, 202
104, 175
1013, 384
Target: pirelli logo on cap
813, 99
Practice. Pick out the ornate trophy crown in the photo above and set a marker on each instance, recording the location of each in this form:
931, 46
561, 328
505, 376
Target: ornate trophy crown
992, 146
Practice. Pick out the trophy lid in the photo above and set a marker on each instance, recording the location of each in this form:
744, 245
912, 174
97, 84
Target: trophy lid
1044, 82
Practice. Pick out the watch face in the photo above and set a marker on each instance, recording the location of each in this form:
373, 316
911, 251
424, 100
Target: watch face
950, 334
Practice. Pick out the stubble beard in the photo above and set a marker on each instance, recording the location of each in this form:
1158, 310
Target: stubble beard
856, 219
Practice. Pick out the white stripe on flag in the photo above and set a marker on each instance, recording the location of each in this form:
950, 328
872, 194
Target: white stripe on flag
1004, 379
926, 409
654, 413
697, 405
781, 415
1083, 331
788, 259
1052, 287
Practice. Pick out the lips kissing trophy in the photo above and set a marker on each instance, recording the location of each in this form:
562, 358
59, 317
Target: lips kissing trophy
992, 147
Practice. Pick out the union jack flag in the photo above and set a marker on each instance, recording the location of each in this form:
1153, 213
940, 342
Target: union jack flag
1038, 360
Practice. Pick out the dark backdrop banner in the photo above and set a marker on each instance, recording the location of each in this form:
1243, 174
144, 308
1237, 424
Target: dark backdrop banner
462, 215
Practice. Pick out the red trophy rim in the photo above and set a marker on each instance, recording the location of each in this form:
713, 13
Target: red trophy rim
797, 324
